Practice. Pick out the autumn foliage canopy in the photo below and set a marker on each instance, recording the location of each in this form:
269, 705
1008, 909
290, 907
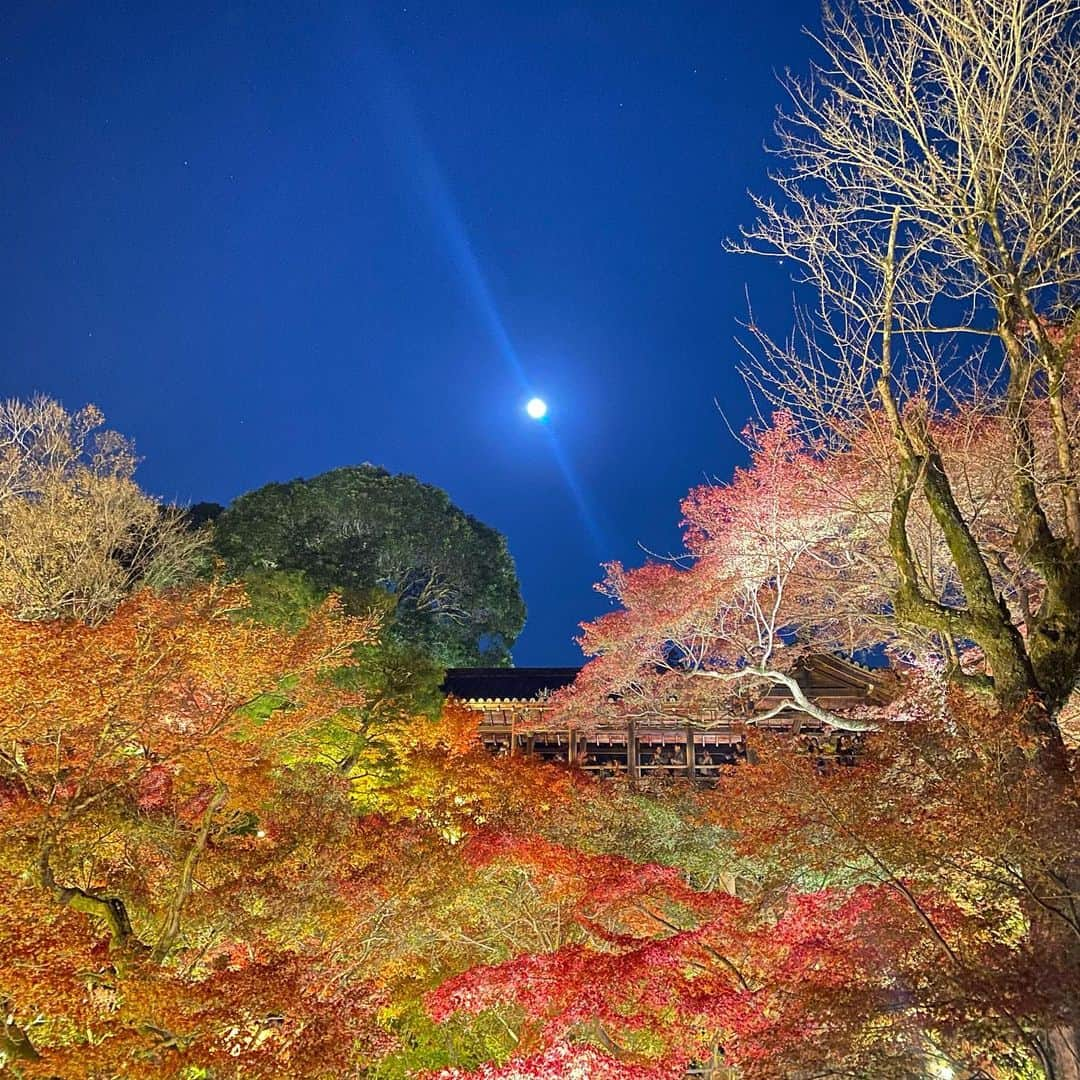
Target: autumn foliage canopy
241, 835
239, 842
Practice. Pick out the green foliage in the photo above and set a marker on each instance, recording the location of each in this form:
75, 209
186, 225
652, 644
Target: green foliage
461, 1041
202, 513
399, 684
396, 677
665, 828
283, 598
361, 531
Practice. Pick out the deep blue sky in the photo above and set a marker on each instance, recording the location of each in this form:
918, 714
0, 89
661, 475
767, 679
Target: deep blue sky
270, 239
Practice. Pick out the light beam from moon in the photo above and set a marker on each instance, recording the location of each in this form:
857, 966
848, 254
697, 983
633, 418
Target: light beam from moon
404, 132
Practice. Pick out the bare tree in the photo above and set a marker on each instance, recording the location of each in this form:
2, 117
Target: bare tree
77, 534
931, 203
929, 200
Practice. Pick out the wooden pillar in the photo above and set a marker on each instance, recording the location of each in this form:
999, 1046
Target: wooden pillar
690, 763
570, 740
530, 745
631, 750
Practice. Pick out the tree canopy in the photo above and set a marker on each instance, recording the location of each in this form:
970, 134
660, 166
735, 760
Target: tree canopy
241, 838
77, 534
916, 491
370, 534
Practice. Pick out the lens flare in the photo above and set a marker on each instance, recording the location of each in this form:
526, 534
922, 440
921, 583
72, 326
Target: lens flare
406, 137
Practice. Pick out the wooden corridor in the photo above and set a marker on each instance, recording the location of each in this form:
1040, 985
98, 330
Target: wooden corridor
512, 707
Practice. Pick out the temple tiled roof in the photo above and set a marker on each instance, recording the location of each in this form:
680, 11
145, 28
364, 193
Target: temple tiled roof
823, 676
506, 684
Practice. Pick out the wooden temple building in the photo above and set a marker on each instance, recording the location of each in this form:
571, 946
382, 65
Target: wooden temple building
512, 706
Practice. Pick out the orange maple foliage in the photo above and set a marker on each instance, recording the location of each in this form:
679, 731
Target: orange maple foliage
190, 880
171, 836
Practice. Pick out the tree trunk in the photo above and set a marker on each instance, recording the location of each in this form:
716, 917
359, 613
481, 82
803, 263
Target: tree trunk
1051, 932
1062, 1045
15, 1044
110, 909
170, 931
1061, 1039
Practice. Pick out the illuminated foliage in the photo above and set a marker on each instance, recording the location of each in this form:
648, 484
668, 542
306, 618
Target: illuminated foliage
77, 534
171, 839
369, 534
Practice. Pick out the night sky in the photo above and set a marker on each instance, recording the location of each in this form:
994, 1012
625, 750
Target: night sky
270, 240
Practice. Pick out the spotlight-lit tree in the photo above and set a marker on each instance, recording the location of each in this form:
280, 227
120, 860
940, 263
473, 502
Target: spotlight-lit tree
171, 836
930, 200
931, 204
918, 488
77, 534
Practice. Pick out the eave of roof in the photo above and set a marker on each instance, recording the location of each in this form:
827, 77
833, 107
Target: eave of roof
506, 684
518, 685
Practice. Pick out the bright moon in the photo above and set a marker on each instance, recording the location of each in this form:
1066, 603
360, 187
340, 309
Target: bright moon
537, 408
